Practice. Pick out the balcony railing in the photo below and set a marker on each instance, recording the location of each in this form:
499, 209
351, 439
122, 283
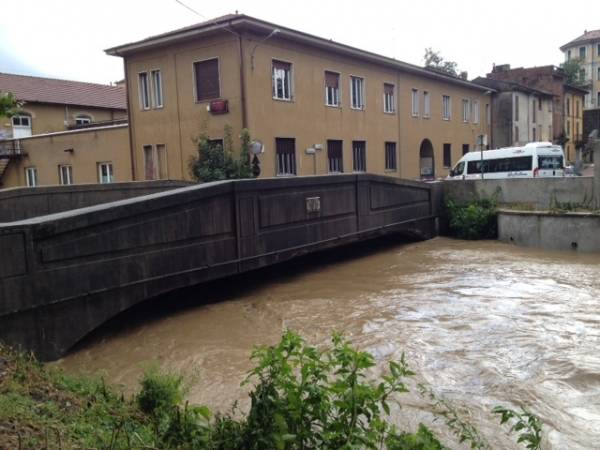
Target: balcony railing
11, 150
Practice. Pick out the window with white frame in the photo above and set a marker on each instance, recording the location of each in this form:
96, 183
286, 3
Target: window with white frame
105, 172
475, 111
446, 107
144, 90
332, 89
389, 98
31, 176
155, 161
65, 174
21, 126
282, 80
465, 110
82, 120
357, 93
414, 102
426, 104
582, 52
157, 89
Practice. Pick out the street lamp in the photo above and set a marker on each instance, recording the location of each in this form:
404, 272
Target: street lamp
270, 35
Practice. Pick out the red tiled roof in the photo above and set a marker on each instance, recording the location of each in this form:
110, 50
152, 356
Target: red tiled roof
65, 92
588, 36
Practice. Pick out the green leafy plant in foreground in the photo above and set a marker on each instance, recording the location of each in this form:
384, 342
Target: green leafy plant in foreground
302, 397
527, 424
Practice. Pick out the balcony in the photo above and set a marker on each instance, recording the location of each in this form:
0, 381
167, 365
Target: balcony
11, 149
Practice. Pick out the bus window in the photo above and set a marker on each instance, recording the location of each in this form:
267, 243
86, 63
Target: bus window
475, 166
458, 169
520, 164
550, 162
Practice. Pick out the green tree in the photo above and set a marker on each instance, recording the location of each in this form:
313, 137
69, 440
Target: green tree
573, 69
8, 104
433, 60
218, 160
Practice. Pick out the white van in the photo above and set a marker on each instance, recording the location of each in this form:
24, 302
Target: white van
536, 159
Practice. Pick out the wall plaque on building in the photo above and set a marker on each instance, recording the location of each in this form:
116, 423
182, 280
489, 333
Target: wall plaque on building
313, 204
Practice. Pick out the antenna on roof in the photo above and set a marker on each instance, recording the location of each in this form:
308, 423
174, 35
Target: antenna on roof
191, 9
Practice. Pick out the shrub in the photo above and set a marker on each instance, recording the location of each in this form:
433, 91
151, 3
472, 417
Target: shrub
477, 219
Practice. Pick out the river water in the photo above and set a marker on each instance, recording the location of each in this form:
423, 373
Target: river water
481, 324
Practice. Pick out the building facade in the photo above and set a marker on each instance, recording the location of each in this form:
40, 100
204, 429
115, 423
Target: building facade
586, 48
81, 156
520, 114
51, 105
567, 109
317, 106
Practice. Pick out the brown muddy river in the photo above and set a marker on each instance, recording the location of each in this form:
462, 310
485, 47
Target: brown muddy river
481, 323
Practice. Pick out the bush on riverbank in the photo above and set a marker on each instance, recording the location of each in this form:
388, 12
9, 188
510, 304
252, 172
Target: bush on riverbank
477, 219
302, 398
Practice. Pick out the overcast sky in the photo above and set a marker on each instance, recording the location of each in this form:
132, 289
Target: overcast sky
66, 39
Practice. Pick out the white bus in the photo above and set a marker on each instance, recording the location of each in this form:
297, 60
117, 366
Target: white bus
536, 159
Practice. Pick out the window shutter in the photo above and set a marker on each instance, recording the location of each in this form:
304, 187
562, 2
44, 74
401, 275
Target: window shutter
207, 79
332, 80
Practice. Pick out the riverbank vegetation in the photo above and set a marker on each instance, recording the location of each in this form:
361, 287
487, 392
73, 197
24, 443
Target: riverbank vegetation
302, 397
477, 219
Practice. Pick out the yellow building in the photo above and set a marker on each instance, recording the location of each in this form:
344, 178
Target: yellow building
89, 155
317, 106
586, 48
51, 105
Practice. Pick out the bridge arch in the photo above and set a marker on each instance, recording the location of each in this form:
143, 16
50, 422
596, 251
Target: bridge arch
426, 160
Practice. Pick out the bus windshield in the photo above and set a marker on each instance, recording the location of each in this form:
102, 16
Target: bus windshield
550, 162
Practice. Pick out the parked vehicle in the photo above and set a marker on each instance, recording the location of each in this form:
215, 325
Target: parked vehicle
536, 159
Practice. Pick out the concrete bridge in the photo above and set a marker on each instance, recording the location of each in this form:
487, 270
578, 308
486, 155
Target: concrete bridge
64, 274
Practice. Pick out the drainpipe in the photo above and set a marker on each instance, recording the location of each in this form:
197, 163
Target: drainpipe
242, 84
129, 122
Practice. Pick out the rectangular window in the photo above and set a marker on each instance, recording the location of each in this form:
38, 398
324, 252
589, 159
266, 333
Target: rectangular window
516, 108
81, 120
447, 155
582, 52
389, 98
359, 156
335, 156
426, 104
516, 135
598, 50
282, 80
568, 128
332, 89
446, 107
465, 149
357, 94
144, 90
568, 107
157, 93
105, 172
390, 156
518, 164
599, 99
206, 74
465, 110
285, 150
550, 135
533, 134
598, 77
415, 102
488, 114
149, 163
161, 153
540, 103
533, 113
65, 174
31, 177
475, 111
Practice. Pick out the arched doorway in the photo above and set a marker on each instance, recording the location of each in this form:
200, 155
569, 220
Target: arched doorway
426, 160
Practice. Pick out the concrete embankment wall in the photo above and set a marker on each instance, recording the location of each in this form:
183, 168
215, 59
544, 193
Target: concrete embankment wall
26, 202
530, 193
565, 231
